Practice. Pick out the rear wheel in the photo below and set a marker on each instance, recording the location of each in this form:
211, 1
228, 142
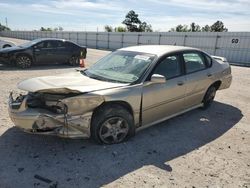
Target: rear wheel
74, 61
111, 125
23, 61
209, 97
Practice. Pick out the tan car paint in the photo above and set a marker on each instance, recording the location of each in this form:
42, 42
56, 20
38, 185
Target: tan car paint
150, 101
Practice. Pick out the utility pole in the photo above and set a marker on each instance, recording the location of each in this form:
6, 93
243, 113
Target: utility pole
6, 21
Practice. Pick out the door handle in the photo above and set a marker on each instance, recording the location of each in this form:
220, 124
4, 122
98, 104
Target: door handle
180, 83
209, 75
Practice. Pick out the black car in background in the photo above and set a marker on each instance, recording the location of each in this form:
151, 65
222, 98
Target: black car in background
43, 51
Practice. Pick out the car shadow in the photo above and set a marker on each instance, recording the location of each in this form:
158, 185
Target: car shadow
74, 163
4, 67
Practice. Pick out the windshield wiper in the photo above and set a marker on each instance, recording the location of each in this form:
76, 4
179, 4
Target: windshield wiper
84, 73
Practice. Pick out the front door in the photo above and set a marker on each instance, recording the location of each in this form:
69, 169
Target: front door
161, 100
44, 52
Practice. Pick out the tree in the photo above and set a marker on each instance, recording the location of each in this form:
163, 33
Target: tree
4, 28
120, 29
56, 29
134, 24
218, 27
108, 28
195, 27
144, 27
132, 21
60, 28
45, 29
206, 28
180, 28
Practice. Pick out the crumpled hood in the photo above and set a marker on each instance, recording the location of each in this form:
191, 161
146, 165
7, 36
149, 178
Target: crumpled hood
74, 82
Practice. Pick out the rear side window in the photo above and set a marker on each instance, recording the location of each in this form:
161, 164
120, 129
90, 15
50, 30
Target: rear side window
60, 44
194, 62
70, 45
169, 67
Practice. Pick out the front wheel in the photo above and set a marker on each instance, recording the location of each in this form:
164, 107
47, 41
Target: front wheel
111, 125
209, 97
23, 61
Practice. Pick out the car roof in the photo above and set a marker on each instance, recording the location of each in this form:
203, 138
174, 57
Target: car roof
158, 50
55, 39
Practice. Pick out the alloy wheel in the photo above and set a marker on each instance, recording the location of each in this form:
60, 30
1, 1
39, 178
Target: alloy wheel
114, 130
23, 62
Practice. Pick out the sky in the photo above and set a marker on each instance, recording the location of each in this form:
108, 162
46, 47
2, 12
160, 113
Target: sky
92, 15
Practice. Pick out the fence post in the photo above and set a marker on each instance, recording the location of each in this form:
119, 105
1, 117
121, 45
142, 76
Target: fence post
122, 40
159, 42
216, 43
86, 39
96, 40
77, 38
138, 39
184, 40
108, 40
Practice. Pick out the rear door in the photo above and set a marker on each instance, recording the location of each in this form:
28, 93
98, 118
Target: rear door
40, 53
198, 77
63, 52
164, 99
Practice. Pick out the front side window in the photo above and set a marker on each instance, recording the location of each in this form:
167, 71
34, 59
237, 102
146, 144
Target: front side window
41, 45
169, 67
121, 66
194, 62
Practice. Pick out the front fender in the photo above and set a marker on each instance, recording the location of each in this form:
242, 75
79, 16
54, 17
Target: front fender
82, 104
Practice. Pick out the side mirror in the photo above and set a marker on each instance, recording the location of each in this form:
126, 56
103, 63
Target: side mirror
157, 78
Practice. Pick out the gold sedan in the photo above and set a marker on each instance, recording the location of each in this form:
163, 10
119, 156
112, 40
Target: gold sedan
129, 89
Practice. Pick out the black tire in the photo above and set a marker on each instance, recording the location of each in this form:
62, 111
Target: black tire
6, 46
209, 97
74, 61
112, 124
23, 61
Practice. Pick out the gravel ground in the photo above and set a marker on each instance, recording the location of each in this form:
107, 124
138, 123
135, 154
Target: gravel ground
198, 149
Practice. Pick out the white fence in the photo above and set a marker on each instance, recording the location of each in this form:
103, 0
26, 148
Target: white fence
235, 46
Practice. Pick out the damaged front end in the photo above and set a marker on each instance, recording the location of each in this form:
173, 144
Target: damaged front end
65, 115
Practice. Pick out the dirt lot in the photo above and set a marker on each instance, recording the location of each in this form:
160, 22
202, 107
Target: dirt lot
198, 149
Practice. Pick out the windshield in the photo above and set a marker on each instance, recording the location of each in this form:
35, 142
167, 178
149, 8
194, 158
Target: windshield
28, 44
120, 66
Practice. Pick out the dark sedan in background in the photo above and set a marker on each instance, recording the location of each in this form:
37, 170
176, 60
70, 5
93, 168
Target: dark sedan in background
43, 51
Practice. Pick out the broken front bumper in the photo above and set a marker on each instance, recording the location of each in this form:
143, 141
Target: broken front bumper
42, 121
